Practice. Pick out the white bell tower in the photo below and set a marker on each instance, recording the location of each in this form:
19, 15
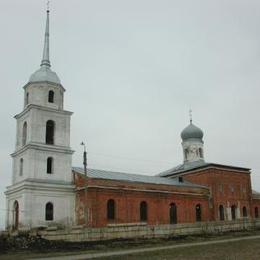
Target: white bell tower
192, 143
42, 192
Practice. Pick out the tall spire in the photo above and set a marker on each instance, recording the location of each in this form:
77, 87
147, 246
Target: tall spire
45, 73
46, 48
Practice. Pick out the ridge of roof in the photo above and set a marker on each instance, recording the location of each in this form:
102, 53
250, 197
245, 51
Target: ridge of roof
185, 167
129, 177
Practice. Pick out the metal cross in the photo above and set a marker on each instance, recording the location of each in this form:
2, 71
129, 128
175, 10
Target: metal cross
48, 5
190, 112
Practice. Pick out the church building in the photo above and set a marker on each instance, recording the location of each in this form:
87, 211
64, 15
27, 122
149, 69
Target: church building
46, 190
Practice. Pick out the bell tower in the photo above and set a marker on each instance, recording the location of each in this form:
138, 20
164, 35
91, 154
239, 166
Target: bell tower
42, 192
192, 143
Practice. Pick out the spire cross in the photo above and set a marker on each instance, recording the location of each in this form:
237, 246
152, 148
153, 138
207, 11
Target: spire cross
190, 112
48, 6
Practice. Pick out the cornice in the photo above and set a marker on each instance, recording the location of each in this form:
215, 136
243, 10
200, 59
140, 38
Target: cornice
53, 110
42, 83
40, 185
43, 147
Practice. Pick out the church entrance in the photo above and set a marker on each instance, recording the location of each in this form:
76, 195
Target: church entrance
16, 214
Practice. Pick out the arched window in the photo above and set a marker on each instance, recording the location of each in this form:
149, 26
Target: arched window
221, 213
233, 212
24, 138
16, 214
21, 167
27, 99
256, 212
51, 96
50, 127
49, 211
111, 209
244, 212
201, 152
186, 154
198, 212
49, 165
143, 211
173, 213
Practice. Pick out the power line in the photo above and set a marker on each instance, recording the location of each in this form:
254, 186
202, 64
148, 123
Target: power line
130, 159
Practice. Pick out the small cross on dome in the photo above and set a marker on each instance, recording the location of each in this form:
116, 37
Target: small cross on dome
48, 6
190, 113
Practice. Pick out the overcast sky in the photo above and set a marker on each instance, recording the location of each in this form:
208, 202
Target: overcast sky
132, 70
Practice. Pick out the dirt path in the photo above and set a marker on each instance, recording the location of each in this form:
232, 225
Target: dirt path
143, 250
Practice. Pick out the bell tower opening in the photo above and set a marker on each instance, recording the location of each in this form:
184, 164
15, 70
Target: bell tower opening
24, 137
51, 96
50, 128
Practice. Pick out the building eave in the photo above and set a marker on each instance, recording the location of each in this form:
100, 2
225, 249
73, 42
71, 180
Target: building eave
208, 166
45, 83
53, 110
40, 185
43, 147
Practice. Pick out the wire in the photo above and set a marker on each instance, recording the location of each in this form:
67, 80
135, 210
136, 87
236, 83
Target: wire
130, 159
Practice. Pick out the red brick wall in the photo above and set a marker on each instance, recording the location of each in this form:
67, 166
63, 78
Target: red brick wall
127, 197
226, 187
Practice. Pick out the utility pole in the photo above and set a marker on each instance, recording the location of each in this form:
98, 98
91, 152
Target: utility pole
85, 183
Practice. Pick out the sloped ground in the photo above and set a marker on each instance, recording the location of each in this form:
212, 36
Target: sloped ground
25, 246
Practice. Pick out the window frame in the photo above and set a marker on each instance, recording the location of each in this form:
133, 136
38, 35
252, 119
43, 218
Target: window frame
51, 95
111, 209
49, 212
21, 165
173, 213
50, 165
50, 132
198, 212
143, 208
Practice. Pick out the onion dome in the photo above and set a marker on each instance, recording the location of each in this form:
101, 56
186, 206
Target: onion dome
191, 132
45, 73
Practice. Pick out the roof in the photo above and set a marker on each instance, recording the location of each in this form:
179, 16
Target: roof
191, 132
129, 177
45, 73
186, 167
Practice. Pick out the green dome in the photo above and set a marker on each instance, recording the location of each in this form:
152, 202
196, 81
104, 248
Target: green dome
191, 132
